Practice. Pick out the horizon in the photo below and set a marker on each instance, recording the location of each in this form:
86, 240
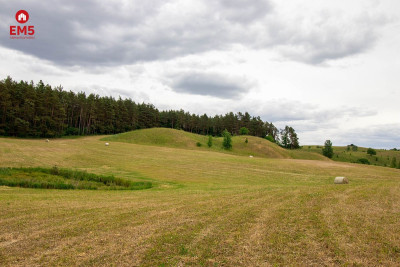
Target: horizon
198, 114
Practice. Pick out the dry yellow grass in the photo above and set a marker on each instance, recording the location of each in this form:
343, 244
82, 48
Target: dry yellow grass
206, 208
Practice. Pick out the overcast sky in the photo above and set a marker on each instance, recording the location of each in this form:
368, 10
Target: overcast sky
330, 69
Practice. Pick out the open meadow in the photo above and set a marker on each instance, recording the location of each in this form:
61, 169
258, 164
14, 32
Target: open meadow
206, 207
383, 157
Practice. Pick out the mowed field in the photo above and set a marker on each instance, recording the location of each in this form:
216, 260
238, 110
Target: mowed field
206, 208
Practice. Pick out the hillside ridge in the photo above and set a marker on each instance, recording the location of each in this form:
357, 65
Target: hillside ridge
165, 137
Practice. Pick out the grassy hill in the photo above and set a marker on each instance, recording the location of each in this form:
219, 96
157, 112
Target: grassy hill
165, 137
205, 209
383, 157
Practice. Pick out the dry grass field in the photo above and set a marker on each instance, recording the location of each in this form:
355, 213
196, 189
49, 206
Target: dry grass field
206, 208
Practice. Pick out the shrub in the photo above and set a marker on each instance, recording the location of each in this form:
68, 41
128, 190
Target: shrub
243, 131
198, 144
270, 138
371, 151
246, 141
209, 143
393, 163
54, 170
55, 178
72, 131
227, 143
363, 161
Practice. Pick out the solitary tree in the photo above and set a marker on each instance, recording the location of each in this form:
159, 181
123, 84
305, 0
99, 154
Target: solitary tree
227, 143
371, 151
209, 143
327, 151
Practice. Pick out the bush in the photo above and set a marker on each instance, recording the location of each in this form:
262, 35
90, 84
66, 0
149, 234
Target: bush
198, 144
243, 131
227, 143
270, 138
209, 143
393, 163
363, 161
246, 141
56, 178
371, 151
72, 131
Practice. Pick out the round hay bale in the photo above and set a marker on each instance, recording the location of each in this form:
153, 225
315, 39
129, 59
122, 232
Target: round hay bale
341, 180
107, 144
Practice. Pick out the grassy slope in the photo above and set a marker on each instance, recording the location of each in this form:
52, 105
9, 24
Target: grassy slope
206, 208
382, 157
180, 139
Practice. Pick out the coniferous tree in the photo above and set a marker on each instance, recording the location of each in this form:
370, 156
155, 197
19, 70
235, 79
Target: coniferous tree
37, 110
327, 151
227, 142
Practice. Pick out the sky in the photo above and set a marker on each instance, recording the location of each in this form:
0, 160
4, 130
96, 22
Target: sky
329, 69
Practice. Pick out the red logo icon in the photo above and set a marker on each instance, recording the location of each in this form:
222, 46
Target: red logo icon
22, 31
22, 16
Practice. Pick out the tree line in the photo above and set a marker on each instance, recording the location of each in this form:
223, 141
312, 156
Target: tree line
38, 110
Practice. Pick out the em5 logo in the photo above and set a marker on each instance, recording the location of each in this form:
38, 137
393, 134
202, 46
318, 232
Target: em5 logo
22, 32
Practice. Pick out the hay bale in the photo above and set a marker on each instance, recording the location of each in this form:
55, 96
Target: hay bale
251, 156
47, 140
107, 144
341, 180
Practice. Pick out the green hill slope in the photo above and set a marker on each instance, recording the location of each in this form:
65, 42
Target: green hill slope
383, 157
165, 137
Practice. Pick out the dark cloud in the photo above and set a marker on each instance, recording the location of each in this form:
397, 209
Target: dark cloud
211, 84
243, 11
80, 32
328, 38
92, 33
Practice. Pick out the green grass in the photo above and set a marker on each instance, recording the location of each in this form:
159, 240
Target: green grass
382, 158
55, 178
208, 207
164, 137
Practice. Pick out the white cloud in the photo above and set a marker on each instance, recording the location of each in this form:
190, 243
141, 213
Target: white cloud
216, 57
